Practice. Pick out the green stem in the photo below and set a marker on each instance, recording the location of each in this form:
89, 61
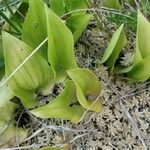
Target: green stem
9, 21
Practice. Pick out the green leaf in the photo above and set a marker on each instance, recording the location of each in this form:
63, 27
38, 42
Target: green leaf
35, 74
140, 71
77, 24
111, 4
34, 28
61, 107
88, 88
58, 7
72, 5
143, 35
114, 48
5, 94
7, 112
60, 45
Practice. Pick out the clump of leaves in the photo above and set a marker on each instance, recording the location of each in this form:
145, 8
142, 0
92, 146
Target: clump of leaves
114, 48
28, 73
77, 18
55, 62
139, 70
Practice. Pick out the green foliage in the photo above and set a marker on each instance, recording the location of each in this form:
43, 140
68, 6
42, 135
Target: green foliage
35, 26
32, 76
77, 20
57, 62
139, 70
60, 7
61, 107
87, 92
145, 6
60, 45
114, 48
77, 24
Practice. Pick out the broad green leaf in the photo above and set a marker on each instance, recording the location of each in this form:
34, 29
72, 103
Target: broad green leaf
58, 7
78, 21
141, 71
77, 24
114, 48
60, 45
111, 4
34, 28
64, 147
143, 35
32, 76
138, 56
88, 88
5, 94
61, 107
72, 5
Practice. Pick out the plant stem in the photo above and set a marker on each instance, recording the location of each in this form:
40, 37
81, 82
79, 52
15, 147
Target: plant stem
9, 21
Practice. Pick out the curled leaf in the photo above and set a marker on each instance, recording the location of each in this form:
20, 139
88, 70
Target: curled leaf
32, 76
60, 45
143, 35
64, 106
114, 48
140, 70
88, 88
